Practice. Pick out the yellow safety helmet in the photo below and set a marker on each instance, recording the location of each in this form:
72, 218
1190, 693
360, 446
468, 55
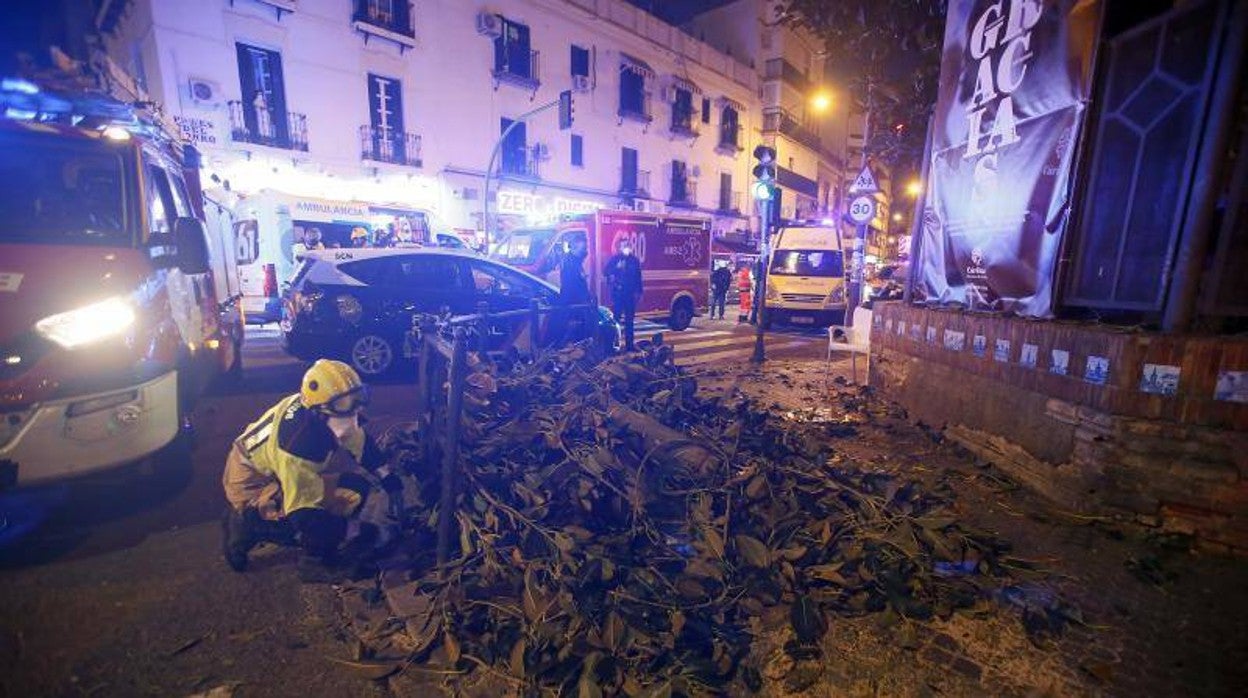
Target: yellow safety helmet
334, 387
357, 233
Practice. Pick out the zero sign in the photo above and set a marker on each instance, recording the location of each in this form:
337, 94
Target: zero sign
862, 209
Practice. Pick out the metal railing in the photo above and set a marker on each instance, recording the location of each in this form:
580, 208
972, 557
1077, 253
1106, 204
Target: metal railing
518, 68
640, 185
442, 378
393, 16
631, 111
265, 130
683, 123
516, 167
730, 138
729, 201
684, 193
388, 145
776, 119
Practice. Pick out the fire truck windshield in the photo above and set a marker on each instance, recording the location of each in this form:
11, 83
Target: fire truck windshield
61, 191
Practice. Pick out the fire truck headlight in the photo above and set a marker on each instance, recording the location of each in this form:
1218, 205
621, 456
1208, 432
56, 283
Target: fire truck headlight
88, 324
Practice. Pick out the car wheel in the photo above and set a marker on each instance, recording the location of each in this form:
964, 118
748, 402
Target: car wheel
682, 314
372, 354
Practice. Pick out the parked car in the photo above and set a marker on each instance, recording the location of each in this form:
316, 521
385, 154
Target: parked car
358, 305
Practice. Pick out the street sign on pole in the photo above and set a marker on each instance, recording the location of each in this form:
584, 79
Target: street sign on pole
862, 209
865, 182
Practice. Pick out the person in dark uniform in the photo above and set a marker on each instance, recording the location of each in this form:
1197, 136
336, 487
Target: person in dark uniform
573, 287
721, 280
623, 276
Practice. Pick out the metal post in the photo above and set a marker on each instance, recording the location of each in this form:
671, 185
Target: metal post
764, 253
424, 391
483, 328
450, 458
916, 221
860, 239
489, 169
535, 324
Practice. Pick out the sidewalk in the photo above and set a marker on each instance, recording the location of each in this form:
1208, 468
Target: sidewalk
1113, 611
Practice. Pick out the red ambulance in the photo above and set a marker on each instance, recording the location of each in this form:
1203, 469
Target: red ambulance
674, 251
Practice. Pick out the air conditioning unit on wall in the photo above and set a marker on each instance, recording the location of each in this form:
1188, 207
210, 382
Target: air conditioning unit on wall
648, 206
204, 92
581, 83
489, 24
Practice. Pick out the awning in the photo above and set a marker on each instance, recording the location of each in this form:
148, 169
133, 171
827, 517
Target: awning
726, 101
686, 84
635, 65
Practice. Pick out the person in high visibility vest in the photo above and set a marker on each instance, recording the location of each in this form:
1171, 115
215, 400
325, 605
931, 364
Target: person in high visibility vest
276, 484
744, 285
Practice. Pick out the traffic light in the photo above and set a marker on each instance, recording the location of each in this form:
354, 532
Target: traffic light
565, 110
764, 172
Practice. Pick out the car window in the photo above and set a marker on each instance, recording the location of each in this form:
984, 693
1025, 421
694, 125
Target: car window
161, 209
428, 272
181, 199
492, 280
374, 272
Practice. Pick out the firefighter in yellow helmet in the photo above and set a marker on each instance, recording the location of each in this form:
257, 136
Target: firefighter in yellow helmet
275, 479
359, 237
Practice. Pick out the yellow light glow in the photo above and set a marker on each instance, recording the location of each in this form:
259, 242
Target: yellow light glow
821, 101
897, 217
914, 187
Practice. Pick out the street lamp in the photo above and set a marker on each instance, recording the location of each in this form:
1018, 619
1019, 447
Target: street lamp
896, 217
914, 187
820, 102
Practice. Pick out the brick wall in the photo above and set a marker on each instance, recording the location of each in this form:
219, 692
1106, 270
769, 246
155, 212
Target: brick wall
1096, 442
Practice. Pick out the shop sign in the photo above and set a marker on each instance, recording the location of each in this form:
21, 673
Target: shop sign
329, 211
534, 205
197, 130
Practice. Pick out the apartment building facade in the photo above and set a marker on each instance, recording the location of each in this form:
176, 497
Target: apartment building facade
396, 106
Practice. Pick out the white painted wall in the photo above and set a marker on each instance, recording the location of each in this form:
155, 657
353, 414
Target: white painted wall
449, 97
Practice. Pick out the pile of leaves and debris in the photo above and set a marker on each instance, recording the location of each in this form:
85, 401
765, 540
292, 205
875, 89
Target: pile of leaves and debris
621, 535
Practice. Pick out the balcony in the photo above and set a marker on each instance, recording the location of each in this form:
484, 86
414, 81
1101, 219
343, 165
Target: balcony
636, 109
390, 146
683, 124
387, 19
639, 187
777, 120
729, 139
258, 125
524, 168
517, 67
729, 201
780, 69
684, 193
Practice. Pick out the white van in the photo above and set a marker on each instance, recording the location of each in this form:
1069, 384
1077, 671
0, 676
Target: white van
806, 278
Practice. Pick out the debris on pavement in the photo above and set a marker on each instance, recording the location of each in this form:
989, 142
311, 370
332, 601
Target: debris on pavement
618, 533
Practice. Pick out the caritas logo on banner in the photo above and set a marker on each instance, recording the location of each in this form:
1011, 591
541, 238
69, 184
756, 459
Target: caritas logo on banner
1014, 82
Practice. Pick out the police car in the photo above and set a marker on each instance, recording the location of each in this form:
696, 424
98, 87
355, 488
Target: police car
358, 304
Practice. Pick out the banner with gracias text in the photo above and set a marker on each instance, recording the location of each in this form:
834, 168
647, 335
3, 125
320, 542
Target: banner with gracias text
1014, 83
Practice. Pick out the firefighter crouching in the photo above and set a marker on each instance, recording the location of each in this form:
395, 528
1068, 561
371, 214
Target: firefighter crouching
275, 482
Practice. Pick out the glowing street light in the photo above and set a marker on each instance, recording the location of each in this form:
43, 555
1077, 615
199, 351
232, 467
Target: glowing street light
821, 101
897, 217
914, 187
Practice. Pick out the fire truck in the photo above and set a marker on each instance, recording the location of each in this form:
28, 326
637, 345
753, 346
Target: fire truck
115, 307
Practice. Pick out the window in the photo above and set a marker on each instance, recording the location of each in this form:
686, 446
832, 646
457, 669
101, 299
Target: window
515, 149
428, 272
385, 114
161, 208
730, 128
680, 181
628, 170
706, 110
725, 192
578, 154
264, 96
633, 73
826, 263
580, 61
512, 55
500, 282
682, 111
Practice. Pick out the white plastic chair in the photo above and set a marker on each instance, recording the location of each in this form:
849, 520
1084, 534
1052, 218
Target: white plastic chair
854, 339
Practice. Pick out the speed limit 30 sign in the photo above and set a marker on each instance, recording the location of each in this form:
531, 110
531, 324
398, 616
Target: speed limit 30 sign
862, 209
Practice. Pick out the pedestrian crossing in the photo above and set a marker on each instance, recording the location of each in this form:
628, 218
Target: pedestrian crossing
706, 341
724, 341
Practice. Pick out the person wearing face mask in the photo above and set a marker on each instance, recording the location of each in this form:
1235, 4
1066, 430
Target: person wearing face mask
276, 483
623, 276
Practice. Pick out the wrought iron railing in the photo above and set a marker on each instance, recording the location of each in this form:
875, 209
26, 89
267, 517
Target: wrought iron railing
730, 138
391, 15
519, 68
684, 193
639, 110
683, 123
780, 120
251, 123
388, 145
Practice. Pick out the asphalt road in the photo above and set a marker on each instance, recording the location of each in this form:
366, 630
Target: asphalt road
115, 585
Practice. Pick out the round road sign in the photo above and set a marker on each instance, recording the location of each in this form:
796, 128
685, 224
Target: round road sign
862, 209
